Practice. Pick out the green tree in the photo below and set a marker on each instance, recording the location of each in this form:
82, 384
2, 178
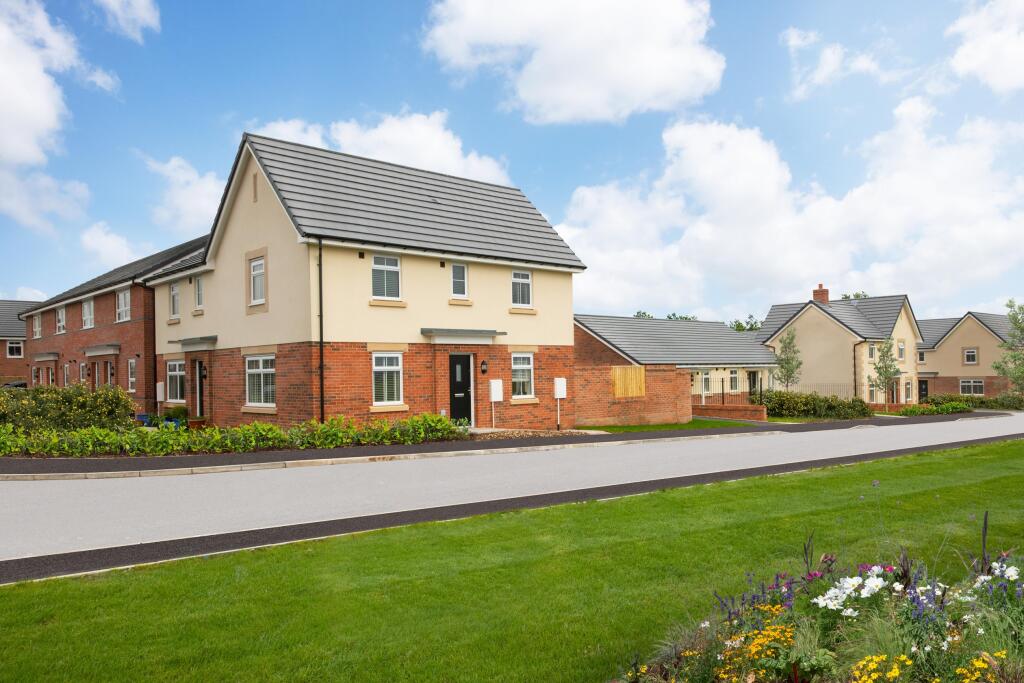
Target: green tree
788, 359
643, 314
680, 316
751, 324
886, 370
1011, 365
856, 295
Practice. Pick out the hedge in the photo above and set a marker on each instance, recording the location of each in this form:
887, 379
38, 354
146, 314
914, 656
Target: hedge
66, 408
1009, 401
941, 409
796, 404
169, 439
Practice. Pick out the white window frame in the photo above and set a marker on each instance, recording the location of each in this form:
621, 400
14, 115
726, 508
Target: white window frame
973, 384
199, 293
37, 326
51, 376
36, 376
174, 299
387, 268
60, 320
88, 321
528, 281
262, 372
67, 374
111, 373
123, 305
920, 357
871, 395
131, 375
973, 350
705, 383
253, 274
908, 391
465, 281
734, 380
871, 351
21, 348
901, 350
177, 371
83, 372
533, 379
400, 369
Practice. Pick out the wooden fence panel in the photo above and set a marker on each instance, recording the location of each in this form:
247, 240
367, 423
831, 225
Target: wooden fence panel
629, 381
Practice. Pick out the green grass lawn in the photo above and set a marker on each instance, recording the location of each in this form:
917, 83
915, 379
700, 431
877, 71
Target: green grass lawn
695, 423
800, 419
568, 593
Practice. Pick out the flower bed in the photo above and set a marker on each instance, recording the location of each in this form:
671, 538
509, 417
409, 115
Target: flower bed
169, 439
876, 622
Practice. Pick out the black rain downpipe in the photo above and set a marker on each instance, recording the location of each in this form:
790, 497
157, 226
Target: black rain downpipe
320, 292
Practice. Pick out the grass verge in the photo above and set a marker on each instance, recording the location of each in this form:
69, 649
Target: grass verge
567, 593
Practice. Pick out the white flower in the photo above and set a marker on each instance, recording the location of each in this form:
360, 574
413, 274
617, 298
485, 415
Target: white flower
927, 648
982, 580
913, 648
850, 583
981, 631
897, 587
849, 612
997, 569
705, 624
875, 571
945, 646
872, 586
1011, 573
720, 657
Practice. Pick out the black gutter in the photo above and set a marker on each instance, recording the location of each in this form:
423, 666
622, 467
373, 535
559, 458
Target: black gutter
320, 294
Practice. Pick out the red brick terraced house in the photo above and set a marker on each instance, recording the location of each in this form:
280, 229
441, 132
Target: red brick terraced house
339, 285
13, 365
957, 354
101, 332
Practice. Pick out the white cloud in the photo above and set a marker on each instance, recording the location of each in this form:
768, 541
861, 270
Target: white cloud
834, 63
29, 294
131, 17
106, 247
32, 199
419, 140
992, 44
190, 200
582, 60
724, 220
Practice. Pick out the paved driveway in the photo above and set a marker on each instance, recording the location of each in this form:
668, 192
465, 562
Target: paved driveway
48, 517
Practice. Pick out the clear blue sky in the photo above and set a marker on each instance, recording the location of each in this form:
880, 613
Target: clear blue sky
699, 159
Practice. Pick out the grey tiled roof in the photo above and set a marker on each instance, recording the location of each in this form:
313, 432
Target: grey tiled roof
339, 196
870, 318
184, 263
10, 325
693, 343
935, 329
997, 322
126, 273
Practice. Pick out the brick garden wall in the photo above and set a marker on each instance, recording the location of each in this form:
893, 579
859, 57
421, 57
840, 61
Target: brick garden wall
994, 385
732, 411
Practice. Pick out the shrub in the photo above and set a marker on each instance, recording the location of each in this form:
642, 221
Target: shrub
1009, 401
796, 404
64, 408
941, 409
168, 438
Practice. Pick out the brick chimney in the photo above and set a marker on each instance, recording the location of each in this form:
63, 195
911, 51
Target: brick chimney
820, 294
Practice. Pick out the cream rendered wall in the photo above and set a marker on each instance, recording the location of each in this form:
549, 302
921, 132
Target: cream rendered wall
249, 226
947, 359
719, 374
826, 349
426, 290
903, 331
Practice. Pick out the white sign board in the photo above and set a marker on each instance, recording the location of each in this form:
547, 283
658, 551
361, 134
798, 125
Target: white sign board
559, 387
497, 391
159, 392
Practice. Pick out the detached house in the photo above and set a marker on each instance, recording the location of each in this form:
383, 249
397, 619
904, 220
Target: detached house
13, 366
957, 354
101, 332
338, 285
839, 340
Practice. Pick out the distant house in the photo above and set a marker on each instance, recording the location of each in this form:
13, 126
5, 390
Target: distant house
101, 331
839, 340
649, 371
957, 354
13, 366
339, 285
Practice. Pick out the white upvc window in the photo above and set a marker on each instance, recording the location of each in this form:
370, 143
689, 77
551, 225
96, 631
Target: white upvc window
734, 380
871, 351
88, 314
176, 381
387, 379
386, 277
131, 375
111, 380
460, 281
522, 375
50, 377
67, 374
37, 326
257, 281
35, 376
901, 350
920, 356
975, 387
260, 381
198, 289
871, 395
124, 306
705, 384
908, 392
83, 372
522, 288
15, 348
60, 320
175, 302
970, 356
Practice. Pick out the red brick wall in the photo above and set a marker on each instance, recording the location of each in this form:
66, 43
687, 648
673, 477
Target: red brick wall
12, 368
667, 399
348, 388
136, 337
739, 398
994, 385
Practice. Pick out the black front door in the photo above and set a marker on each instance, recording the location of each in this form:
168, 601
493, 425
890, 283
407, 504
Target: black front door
922, 389
459, 369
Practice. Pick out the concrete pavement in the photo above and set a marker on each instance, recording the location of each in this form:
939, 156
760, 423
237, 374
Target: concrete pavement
50, 517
